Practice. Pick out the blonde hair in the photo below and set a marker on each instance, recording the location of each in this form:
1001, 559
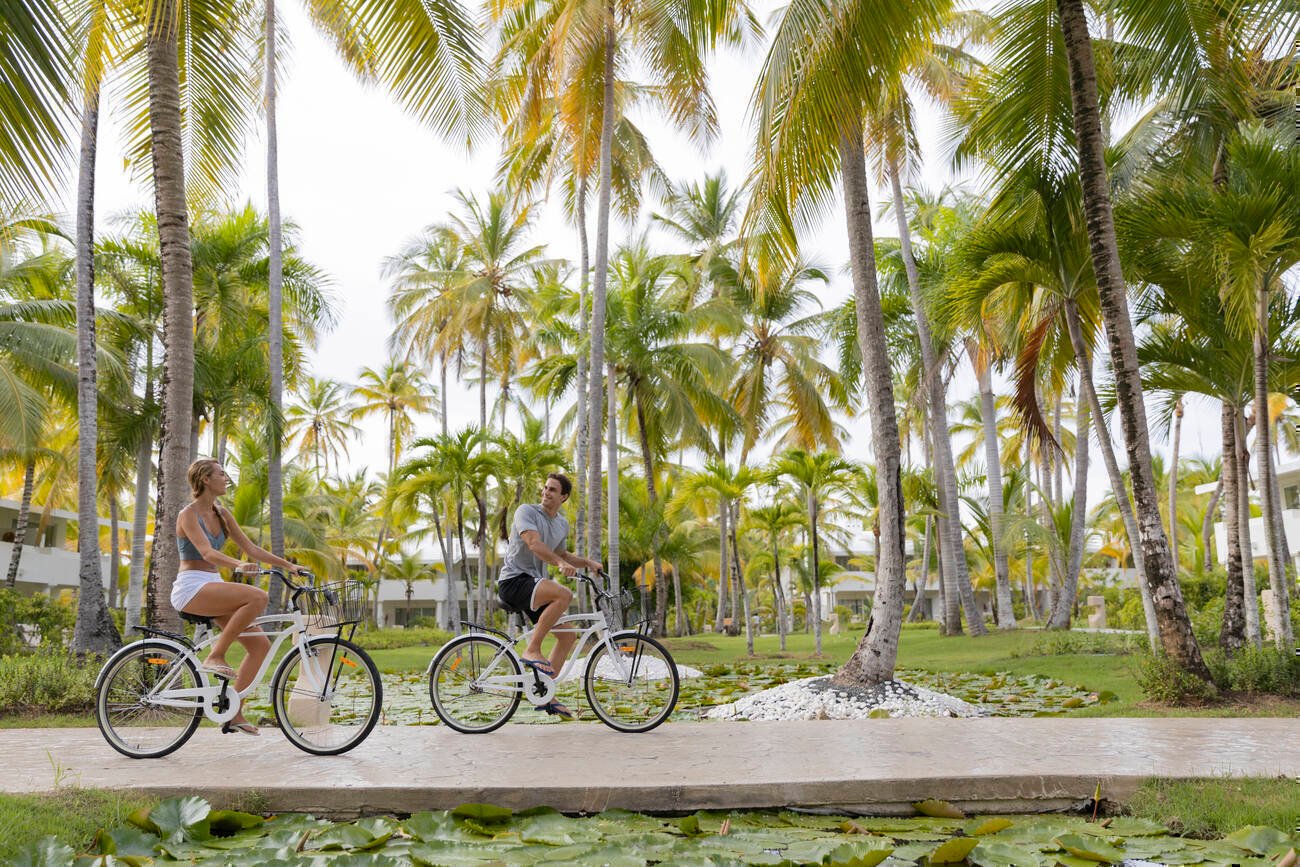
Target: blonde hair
198, 475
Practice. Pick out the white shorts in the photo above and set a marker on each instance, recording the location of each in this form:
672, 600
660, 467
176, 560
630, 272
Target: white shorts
188, 582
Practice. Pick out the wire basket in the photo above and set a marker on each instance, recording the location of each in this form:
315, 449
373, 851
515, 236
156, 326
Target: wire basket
625, 609
336, 604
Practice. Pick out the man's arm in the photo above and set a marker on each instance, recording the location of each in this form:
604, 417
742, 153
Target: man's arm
533, 540
580, 562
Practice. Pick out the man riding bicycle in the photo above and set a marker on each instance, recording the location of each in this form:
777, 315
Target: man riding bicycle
537, 539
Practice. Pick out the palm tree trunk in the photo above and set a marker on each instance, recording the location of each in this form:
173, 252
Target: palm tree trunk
1074, 326
94, 631
1173, 483
724, 569
740, 585
659, 627
917, 613
1232, 633
114, 551
1249, 589
874, 658
178, 299
275, 325
1207, 526
993, 461
1269, 506
582, 543
814, 556
1060, 617
945, 470
1176, 633
484, 535
782, 627
139, 528
20, 529
681, 626
470, 613
595, 393
611, 443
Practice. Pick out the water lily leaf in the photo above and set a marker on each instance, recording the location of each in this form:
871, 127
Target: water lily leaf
178, 819
998, 854
1089, 848
1127, 826
991, 826
938, 809
689, 825
811, 851
1257, 839
863, 853
556, 829
485, 813
224, 822
340, 837
49, 852
954, 851
436, 827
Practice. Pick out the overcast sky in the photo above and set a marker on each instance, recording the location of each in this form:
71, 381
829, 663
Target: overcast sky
359, 178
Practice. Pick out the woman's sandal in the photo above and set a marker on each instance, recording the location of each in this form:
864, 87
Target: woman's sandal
244, 728
220, 669
554, 708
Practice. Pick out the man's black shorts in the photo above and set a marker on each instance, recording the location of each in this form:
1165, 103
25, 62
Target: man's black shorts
517, 592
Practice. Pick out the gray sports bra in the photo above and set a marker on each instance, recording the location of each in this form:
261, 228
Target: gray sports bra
189, 551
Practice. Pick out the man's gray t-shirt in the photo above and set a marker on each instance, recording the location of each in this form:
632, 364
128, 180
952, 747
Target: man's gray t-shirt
520, 560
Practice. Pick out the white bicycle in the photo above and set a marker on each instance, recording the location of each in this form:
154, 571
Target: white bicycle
477, 680
325, 694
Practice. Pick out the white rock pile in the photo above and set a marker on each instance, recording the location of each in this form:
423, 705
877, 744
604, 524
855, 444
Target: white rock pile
817, 698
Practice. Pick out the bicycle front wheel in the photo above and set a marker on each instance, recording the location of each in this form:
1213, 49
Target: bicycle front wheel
634, 688
462, 695
135, 705
327, 696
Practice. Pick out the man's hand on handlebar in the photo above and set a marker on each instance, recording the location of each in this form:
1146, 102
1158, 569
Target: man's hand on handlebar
568, 570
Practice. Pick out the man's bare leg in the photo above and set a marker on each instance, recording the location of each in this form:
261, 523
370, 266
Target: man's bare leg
553, 599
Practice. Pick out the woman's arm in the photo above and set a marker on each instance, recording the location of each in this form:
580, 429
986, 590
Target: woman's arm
187, 525
261, 555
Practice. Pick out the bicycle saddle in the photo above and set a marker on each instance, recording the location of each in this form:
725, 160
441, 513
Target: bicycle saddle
196, 619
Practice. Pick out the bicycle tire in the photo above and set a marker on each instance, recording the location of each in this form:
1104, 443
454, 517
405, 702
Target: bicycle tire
646, 698
458, 702
122, 711
312, 723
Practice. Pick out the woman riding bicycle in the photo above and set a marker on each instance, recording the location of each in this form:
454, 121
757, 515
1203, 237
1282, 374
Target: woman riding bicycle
202, 528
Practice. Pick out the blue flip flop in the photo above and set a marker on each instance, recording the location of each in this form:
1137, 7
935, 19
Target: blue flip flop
554, 708
541, 665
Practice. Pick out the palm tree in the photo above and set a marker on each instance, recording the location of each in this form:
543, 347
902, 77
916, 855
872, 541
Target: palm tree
36, 54
320, 423
397, 391
774, 522
823, 73
818, 477
666, 375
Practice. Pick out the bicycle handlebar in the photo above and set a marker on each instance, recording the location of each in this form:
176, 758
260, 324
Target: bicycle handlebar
295, 588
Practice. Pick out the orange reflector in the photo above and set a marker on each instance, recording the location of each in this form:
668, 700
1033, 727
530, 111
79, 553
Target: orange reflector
455, 663
346, 661
154, 660
628, 648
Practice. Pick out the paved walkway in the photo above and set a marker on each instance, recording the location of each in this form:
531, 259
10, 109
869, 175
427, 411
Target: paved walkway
870, 766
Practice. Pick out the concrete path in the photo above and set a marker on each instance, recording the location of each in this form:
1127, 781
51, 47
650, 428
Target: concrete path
869, 766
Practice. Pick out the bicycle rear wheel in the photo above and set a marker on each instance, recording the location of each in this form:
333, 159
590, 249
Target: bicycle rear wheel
460, 697
128, 707
328, 699
635, 688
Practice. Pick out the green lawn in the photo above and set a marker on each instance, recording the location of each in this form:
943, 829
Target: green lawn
73, 815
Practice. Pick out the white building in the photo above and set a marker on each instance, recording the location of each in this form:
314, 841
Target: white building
1288, 480
47, 564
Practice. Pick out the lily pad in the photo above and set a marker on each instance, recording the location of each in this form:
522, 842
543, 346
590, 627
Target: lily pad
1089, 848
1258, 840
954, 851
938, 809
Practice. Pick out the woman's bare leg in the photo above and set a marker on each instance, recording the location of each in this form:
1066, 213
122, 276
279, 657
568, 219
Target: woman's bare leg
235, 607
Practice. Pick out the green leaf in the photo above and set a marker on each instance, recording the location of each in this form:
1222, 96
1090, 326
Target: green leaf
1089, 848
689, 825
1128, 826
224, 822
861, 853
1257, 839
954, 851
991, 826
489, 814
998, 854
340, 837
180, 819
437, 827
938, 809
49, 852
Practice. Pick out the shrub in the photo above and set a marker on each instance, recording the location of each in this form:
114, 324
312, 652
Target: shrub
1207, 621
1129, 614
47, 682
1163, 680
52, 619
1256, 671
1060, 642
387, 639
921, 624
